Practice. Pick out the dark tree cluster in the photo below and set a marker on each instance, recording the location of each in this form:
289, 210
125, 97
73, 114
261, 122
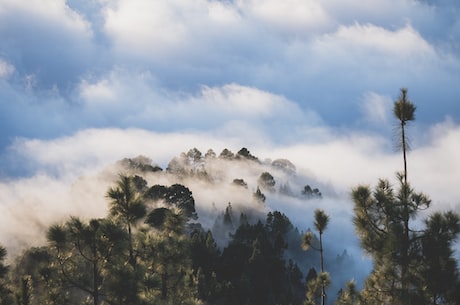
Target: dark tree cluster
145, 254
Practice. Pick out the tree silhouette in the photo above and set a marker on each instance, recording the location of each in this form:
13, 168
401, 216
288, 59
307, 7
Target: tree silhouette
127, 206
4, 289
321, 222
404, 111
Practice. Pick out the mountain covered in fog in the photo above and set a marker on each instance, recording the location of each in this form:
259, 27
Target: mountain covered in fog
222, 229
208, 229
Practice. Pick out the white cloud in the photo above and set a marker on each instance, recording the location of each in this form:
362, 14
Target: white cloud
53, 11
99, 92
6, 69
160, 27
242, 100
376, 108
404, 42
68, 172
151, 106
436, 166
289, 16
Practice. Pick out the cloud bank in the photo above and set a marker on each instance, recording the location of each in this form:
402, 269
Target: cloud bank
86, 83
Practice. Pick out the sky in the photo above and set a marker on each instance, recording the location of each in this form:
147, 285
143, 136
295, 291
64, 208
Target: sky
84, 83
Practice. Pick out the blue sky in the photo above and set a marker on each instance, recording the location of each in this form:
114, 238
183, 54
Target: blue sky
85, 83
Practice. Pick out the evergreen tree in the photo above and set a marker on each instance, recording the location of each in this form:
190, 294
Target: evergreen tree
440, 272
411, 265
167, 251
381, 219
350, 296
128, 207
24, 295
84, 252
5, 292
321, 222
404, 111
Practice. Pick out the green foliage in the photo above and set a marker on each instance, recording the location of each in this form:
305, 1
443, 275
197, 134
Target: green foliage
440, 270
252, 268
176, 196
403, 109
259, 197
309, 193
24, 295
267, 182
322, 280
411, 266
244, 154
125, 201
349, 296
83, 254
226, 154
315, 289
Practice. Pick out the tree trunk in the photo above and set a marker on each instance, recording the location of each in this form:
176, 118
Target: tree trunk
323, 288
403, 139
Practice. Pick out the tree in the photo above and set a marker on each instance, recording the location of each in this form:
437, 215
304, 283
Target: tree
258, 196
244, 153
128, 207
210, 155
36, 276
181, 197
84, 253
349, 296
412, 265
440, 270
24, 295
226, 155
266, 181
404, 111
5, 292
381, 221
176, 196
204, 255
321, 222
240, 182
308, 192
167, 252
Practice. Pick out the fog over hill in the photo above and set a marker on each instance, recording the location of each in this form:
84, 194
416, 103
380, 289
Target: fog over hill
216, 181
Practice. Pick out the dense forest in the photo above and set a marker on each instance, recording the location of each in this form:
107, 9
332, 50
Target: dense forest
156, 245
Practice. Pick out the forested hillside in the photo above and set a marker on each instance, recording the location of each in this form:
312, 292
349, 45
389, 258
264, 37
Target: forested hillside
153, 248
156, 245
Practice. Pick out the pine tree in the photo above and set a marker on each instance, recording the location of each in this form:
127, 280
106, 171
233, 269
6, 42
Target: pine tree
404, 111
410, 263
323, 280
128, 207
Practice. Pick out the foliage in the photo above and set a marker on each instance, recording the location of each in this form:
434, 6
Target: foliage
151, 248
267, 181
412, 265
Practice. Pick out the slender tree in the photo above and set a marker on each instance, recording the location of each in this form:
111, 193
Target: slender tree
321, 222
404, 111
127, 206
410, 263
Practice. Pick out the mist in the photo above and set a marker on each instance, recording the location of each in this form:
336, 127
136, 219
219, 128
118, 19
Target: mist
70, 176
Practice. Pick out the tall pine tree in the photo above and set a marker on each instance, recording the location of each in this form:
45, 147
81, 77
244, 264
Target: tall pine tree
406, 258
